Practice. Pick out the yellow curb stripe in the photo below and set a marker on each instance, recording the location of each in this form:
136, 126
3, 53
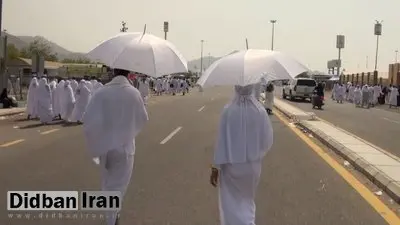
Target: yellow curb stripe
383, 210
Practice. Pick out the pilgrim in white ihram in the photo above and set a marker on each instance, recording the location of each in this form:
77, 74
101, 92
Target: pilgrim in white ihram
114, 117
245, 136
82, 94
67, 101
44, 102
32, 99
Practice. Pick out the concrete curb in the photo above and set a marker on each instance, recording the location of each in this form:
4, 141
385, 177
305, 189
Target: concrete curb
11, 113
391, 187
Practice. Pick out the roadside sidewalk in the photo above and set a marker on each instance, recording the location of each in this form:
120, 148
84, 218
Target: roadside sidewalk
379, 166
12, 111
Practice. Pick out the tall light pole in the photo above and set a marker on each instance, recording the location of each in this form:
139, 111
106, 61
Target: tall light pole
1, 14
273, 33
209, 60
201, 57
166, 28
377, 32
339, 46
3, 64
397, 52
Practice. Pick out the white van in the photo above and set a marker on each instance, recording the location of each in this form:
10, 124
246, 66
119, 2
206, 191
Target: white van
299, 88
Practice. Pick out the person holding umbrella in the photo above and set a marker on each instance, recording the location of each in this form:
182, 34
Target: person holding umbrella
114, 117
245, 136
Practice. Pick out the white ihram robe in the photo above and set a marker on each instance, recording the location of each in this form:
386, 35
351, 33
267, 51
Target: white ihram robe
365, 94
57, 96
393, 96
245, 136
377, 92
340, 93
67, 101
74, 85
82, 98
44, 102
144, 90
357, 96
32, 98
114, 117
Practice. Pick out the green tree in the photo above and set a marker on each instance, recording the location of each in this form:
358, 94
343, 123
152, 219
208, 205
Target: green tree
41, 48
12, 51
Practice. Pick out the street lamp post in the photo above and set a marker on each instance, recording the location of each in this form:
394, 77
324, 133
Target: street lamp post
201, 57
166, 28
209, 60
377, 32
273, 34
1, 14
339, 46
397, 52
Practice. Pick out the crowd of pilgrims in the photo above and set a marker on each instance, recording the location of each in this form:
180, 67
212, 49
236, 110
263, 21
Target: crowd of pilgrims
67, 99
64, 99
366, 96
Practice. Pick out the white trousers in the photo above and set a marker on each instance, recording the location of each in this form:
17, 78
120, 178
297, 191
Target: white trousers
237, 189
116, 171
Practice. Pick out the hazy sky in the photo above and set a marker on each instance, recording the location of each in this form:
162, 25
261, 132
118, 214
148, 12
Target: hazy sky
306, 29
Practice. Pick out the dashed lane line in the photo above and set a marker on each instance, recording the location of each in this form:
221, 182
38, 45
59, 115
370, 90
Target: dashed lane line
49, 131
172, 134
7, 144
201, 109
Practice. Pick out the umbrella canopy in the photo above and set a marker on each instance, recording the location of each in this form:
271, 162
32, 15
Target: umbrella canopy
249, 66
143, 53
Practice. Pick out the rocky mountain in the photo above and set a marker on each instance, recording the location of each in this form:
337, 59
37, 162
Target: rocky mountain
62, 53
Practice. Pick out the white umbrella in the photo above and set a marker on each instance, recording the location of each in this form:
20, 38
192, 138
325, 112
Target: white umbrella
140, 52
249, 66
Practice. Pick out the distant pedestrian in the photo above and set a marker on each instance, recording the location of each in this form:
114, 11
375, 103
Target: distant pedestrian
394, 92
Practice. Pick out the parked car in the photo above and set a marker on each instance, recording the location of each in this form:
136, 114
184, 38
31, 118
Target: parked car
302, 88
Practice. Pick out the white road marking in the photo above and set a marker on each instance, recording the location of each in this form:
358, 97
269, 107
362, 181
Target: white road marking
12, 143
49, 131
393, 121
201, 109
170, 135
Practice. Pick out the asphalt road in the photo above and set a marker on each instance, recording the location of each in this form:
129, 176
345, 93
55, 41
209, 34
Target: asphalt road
378, 126
170, 181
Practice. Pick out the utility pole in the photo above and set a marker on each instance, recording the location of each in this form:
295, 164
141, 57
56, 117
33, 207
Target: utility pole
273, 34
201, 58
124, 27
3, 83
339, 46
166, 29
377, 32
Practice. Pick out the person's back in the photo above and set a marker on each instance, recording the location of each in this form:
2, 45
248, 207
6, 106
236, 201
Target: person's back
113, 118
113, 110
